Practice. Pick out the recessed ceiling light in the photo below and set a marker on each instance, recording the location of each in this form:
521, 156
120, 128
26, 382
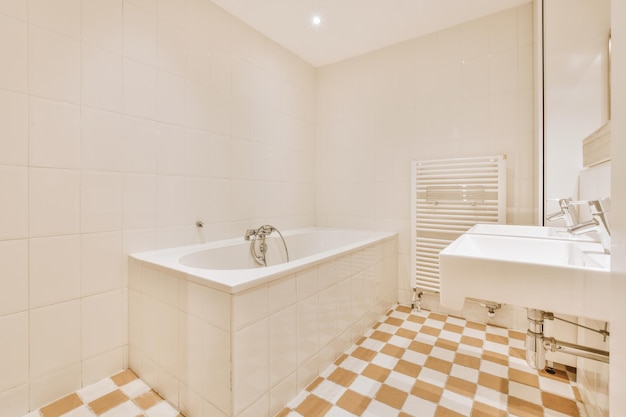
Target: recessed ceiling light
316, 20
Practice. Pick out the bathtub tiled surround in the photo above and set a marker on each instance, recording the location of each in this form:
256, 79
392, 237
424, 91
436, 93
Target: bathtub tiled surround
247, 354
463, 91
122, 122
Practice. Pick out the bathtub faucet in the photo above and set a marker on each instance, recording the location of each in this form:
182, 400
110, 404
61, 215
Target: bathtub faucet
261, 232
259, 235
249, 234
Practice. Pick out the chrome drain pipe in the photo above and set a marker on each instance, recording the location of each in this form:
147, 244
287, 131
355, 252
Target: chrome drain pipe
537, 344
581, 351
535, 350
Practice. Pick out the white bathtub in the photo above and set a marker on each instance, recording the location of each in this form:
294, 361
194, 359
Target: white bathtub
216, 335
227, 265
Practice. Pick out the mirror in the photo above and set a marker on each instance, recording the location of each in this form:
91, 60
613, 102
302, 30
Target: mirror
576, 90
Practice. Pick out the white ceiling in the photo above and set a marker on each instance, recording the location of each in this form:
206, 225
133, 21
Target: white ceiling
354, 27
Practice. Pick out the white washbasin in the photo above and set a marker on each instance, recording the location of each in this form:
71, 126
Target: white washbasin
529, 231
557, 275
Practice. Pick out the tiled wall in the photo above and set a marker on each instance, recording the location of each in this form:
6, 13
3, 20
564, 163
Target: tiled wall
124, 121
592, 376
463, 91
212, 353
121, 123
618, 214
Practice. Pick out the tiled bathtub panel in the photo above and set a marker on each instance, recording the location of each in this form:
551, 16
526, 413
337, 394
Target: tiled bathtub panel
358, 296
168, 340
192, 404
344, 302
282, 293
307, 283
161, 286
317, 338
193, 300
307, 328
344, 267
250, 365
327, 275
150, 317
282, 344
204, 361
327, 315
134, 319
319, 312
249, 306
281, 394
219, 353
371, 287
171, 347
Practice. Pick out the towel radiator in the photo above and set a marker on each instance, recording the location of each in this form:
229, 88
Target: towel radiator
449, 196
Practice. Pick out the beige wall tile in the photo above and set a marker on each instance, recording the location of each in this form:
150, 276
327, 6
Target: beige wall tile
102, 23
54, 270
101, 323
54, 134
14, 183
62, 17
101, 78
101, 201
54, 338
101, 263
14, 77
14, 279
54, 65
54, 201
13, 128
140, 33
14, 360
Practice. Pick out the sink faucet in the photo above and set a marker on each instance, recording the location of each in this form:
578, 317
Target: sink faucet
599, 223
565, 213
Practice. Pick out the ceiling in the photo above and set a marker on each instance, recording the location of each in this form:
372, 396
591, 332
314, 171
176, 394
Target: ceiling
354, 27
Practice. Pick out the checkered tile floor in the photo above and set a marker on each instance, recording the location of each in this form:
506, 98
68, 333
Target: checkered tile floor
408, 365
122, 395
431, 365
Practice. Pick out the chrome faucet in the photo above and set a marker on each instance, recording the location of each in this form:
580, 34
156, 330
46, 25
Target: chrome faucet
260, 233
599, 223
565, 213
258, 236
249, 234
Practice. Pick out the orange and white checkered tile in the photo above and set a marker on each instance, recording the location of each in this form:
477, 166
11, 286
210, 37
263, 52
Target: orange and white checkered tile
431, 365
408, 365
122, 395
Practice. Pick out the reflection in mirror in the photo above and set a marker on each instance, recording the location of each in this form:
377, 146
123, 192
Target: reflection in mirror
576, 99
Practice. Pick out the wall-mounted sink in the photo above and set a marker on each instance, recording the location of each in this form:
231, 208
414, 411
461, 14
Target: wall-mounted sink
542, 272
530, 231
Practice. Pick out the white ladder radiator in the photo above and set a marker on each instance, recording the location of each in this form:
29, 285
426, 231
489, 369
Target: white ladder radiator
449, 196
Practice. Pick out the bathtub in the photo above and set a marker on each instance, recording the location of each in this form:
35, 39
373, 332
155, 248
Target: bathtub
216, 334
227, 265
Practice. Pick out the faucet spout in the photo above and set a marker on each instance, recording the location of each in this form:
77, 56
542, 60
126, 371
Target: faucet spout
582, 228
257, 238
599, 223
564, 213
249, 234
